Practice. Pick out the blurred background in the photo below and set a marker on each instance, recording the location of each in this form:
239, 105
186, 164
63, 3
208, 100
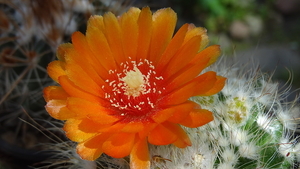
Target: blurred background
252, 33
264, 32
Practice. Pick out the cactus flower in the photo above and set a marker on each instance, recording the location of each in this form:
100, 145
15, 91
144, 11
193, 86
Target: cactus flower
127, 83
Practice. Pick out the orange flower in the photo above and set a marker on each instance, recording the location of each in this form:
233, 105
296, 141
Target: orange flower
127, 82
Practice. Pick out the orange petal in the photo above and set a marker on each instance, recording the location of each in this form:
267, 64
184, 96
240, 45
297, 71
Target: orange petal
54, 92
85, 58
74, 91
185, 75
96, 21
97, 141
217, 87
62, 50
91, 110
197, 31
86, 153
179, 95
129, 26
145, 31
100, 48
74, 132
182, 111
206, 82
183, 139
202, 60
139, 156
182, 143
164, 114
162, 135
148, 127
172, 48
58, 110
90, 126
169, 112
113, 34
56, 69
212, 52
117, 127
197, 118
81, 79
119, 145
91, 149
185, 54
162, 32
197, 86
133, 127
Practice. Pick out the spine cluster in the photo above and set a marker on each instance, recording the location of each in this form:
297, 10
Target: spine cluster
254, 127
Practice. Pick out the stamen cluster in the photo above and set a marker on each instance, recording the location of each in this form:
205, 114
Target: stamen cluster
134, 87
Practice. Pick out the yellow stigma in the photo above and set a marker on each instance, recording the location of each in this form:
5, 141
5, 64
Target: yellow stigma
134, 82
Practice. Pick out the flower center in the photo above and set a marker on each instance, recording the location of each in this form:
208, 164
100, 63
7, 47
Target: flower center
134, 82
134, 88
